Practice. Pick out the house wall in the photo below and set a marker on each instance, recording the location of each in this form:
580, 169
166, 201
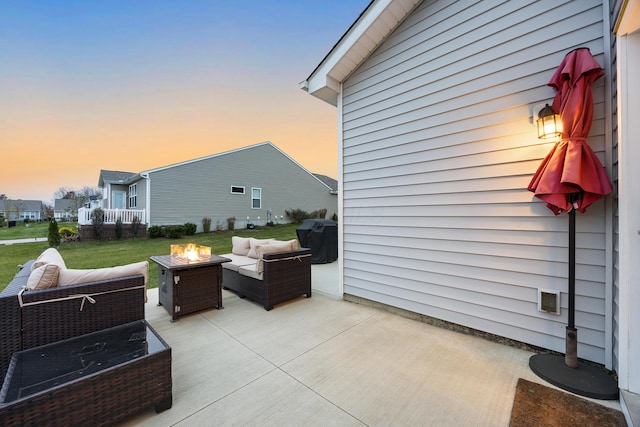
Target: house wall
438, 147
190, 191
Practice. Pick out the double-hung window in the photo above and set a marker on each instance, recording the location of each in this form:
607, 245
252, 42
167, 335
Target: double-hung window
133, 196
256, 198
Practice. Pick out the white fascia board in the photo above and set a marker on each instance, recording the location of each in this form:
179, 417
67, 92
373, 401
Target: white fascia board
362, 38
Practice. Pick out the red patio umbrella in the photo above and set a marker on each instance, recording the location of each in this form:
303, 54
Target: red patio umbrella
572, 178
572, 168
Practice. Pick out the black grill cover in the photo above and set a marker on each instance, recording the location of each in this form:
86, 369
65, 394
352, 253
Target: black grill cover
321, 236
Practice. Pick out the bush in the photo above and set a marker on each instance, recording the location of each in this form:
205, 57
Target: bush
206, 224
118, 228
54, 234
297, 216
68, 234
190, 228
231, 223
97, 219
135, 226
155, 231
3, 221
335, 217
174, 231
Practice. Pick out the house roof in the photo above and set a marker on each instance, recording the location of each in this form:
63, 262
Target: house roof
115, 177
328, 181
371, 28
24, 205
62, 204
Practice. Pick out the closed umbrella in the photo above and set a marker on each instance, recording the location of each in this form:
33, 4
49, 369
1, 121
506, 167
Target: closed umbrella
572, 178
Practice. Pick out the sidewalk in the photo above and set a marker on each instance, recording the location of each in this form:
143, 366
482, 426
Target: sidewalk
32, 240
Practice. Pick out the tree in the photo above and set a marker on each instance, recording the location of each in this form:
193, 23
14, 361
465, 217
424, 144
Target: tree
54, 234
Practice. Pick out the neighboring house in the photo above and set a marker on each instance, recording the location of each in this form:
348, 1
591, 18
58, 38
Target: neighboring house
254, 184
65, 209
435, 102
19, 210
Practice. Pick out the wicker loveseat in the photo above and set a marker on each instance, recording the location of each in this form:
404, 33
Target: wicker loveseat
267, 271
30, 318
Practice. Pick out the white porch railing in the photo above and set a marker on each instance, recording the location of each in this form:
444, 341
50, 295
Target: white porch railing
112, 215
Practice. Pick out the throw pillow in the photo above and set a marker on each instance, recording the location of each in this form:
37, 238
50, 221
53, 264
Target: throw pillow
269, 249
44, 277
254, 243
49, 256
240, 245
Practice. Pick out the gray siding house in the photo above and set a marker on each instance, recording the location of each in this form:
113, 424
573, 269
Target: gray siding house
437, 144
254, 184
19, 210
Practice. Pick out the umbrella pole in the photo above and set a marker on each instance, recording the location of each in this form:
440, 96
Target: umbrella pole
567, 372
571, 339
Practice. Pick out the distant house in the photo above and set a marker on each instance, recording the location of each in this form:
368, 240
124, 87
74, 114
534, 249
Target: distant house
20, 210
65, 209
254, 184
435, 103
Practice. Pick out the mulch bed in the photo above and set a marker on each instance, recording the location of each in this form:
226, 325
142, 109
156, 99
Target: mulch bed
541, 406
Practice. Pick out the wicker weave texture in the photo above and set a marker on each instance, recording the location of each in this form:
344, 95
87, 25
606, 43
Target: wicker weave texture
286, 275
117, 301
101, 399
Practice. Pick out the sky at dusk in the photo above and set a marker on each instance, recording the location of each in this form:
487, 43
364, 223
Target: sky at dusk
135, 85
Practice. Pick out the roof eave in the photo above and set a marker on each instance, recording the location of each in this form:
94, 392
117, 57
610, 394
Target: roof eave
371, 28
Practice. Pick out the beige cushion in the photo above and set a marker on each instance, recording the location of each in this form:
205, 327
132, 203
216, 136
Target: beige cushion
44, 277
49, 256
240, 245
254, 243
73, 276
269, 249
250, 271
237, 261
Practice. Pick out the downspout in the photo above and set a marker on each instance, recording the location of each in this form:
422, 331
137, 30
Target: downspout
609, 223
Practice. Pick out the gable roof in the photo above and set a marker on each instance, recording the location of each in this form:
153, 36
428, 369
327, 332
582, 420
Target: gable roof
23, 205
62, 204
371, 28
115, 177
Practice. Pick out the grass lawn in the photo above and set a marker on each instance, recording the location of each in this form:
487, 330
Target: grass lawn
119, 252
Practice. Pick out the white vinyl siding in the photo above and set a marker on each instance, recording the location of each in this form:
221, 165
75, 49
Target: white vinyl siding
438, 149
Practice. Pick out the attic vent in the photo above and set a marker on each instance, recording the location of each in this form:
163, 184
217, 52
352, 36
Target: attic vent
549, 301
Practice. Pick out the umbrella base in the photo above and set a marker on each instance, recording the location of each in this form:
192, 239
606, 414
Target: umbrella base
584, 380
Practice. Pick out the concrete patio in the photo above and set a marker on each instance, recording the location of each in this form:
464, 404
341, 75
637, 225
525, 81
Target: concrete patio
323, 361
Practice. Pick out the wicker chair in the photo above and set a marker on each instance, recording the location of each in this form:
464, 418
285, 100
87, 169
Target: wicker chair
286, 275
39, 317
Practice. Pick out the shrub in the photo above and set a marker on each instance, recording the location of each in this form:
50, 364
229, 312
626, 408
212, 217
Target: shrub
155, 231
190, 229
174, 231
297, 216
97, 219
231, 223
68, 234
54, 234
118, 228
3, 221
135, 226
335, 217
206, 224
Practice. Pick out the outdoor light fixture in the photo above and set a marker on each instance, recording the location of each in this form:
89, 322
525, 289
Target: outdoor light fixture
549, 123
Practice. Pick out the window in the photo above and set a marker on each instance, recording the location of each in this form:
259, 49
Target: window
133, 196
256, 198
236, 189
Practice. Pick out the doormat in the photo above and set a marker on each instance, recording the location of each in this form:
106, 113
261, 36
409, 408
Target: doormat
541, 406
